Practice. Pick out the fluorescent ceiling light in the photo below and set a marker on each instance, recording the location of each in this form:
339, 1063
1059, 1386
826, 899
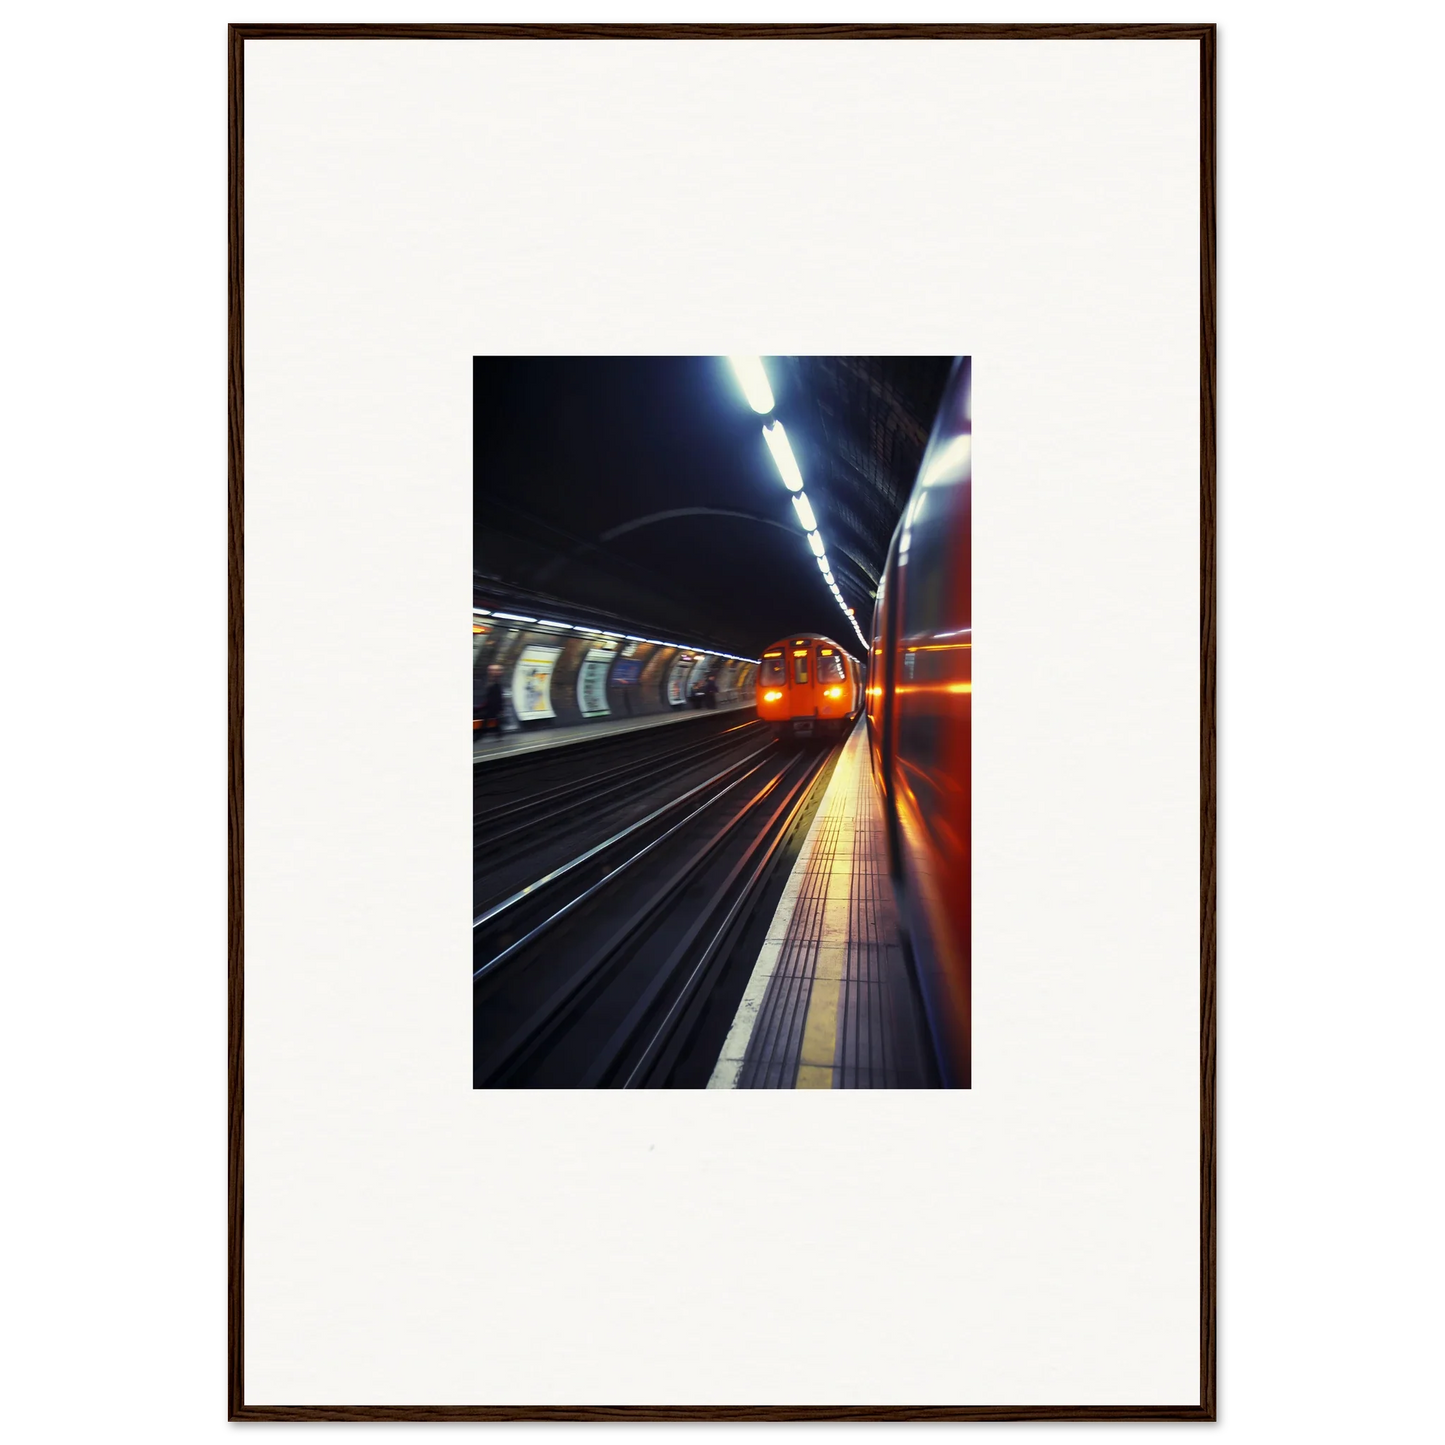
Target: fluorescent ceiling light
514, 617
816, 543
804, 508
754, 382
777, 440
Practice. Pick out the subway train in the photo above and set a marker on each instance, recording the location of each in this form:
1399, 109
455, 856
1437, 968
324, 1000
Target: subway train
808, 686
920, 710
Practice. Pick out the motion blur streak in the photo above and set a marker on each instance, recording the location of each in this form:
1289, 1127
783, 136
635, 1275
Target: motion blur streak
920, 725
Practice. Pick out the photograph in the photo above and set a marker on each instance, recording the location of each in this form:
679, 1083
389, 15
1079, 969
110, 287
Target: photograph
732, 826
721, 722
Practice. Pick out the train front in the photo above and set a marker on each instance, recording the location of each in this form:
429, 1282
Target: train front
805, 688
834, 690
772, 696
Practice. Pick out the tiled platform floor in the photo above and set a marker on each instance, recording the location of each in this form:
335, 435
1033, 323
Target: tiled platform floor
830, 1004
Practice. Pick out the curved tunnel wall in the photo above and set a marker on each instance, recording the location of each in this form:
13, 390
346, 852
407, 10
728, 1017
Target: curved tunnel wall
582, 677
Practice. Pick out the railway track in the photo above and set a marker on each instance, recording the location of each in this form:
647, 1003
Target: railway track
521, 834
522, 772
622, 965
501, 823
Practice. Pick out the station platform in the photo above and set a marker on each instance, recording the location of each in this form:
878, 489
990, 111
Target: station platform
530, 740
831, 1003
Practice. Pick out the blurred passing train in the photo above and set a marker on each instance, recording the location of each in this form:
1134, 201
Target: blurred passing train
809, 687
920, 700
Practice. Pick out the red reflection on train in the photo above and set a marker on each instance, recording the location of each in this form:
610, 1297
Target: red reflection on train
920, 709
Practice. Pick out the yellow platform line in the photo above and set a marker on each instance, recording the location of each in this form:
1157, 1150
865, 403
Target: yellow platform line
820, 1035
820, 1026
835, 821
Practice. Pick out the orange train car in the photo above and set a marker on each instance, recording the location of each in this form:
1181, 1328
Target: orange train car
920, 724
808, 686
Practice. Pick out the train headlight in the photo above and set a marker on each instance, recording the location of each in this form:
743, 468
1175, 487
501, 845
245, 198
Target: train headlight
833, 692
772, 697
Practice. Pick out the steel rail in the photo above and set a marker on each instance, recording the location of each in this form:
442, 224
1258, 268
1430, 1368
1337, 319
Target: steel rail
627, 1030
585, 793
499, 908
542, 1021
510, 810
622, 867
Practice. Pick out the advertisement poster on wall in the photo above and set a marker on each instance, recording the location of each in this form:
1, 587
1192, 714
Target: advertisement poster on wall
592, 680
532, 683
677, 679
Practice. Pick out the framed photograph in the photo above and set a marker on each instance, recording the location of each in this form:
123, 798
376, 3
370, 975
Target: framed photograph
672, 341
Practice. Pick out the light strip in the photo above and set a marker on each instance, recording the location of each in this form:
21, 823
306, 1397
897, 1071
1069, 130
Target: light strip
754, 382
783, 459
625, 636
753, 379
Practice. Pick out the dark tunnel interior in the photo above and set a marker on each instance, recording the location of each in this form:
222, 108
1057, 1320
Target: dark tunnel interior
642, 489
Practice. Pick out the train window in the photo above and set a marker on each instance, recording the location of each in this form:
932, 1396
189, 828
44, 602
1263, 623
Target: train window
830, 667
773, 669
800, 669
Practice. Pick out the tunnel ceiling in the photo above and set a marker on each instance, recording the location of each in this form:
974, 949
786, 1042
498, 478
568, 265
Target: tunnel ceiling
643, 488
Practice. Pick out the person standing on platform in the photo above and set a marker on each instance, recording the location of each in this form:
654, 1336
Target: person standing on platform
492, 702
709, 691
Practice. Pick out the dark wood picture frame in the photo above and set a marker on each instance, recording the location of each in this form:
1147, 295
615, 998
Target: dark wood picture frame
1204, 34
